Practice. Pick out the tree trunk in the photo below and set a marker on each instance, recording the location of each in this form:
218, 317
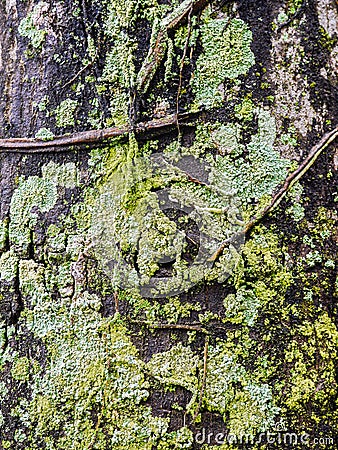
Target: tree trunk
168, 224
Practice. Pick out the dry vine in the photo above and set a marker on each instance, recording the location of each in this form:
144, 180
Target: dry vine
33, 145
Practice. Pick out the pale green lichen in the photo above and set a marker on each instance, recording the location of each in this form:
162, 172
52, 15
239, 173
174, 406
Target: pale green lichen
44, 134
35, 195
289, 138
141, 227
94, 366
32, 193
94, 386
176, 367
247, 406
65, 113
61, 174
296, 210
29, 26
8, 266
227, 139
115, 70
174, 310
226, 54
242, 306
119, 70
259, 173
21, 369
126, 198
330, 264
3, 233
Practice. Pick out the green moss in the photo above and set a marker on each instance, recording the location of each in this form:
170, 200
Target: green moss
293, 6
279, 354
330, 264
176, 440
226, 54
29, 27
65, 113
312, 364
282, 17
174, 310
42, 105
245, 110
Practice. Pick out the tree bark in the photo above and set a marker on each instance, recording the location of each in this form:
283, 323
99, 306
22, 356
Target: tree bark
168, 224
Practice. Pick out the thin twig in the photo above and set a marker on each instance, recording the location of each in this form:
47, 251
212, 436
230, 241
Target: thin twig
204, 379
290, 181
79, 73
220, 250
33, 145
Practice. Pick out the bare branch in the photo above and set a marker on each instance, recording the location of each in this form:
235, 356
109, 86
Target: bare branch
33, 145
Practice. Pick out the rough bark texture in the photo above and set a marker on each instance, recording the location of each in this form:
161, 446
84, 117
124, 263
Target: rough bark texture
118, 329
